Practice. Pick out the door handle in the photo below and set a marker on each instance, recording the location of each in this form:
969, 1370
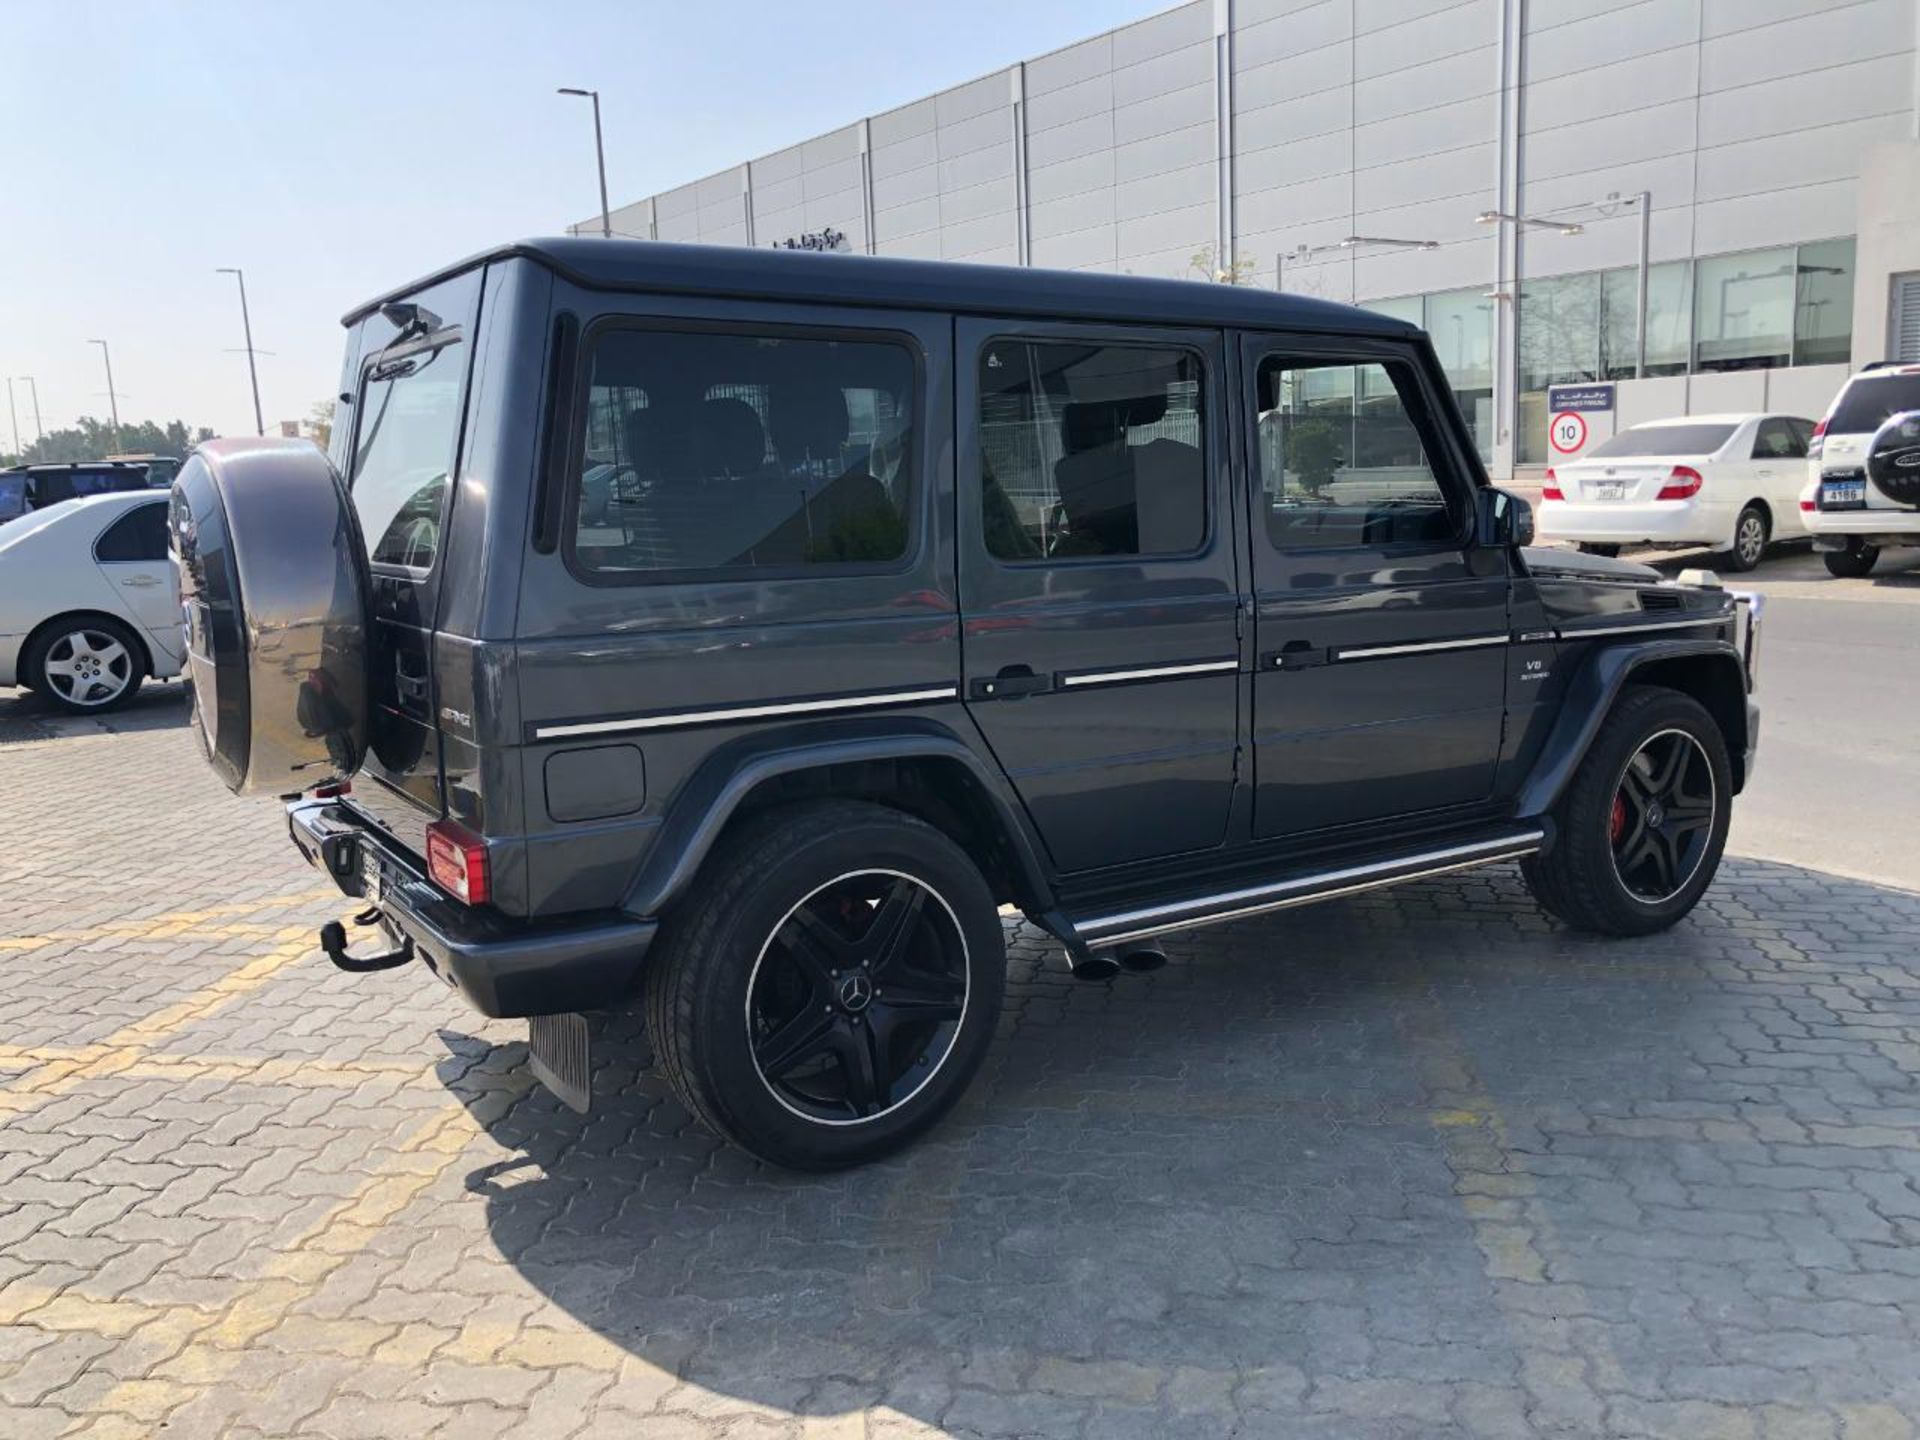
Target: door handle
1011, 682
1294, 655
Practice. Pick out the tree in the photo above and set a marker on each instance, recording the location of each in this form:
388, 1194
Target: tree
1202, 264
320, 424
93, 438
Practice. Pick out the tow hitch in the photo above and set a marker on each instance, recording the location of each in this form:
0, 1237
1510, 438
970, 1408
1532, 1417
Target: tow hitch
333, 940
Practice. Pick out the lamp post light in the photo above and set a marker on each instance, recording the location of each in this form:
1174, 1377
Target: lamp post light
599, 156
246, 328
1301, 254
1644, 203
113, 399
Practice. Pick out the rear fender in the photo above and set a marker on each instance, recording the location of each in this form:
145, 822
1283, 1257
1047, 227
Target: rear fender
1708, 670
739, 776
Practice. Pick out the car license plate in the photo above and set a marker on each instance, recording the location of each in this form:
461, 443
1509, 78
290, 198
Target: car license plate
370, 887
1843, 494
1608, 489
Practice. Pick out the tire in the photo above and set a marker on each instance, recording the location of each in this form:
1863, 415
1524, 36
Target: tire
1853, 563
87, 665
1751, 533
1603, 872
1605, 552
760, 944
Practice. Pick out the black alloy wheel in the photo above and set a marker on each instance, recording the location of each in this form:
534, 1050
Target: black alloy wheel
1662, 815
858, 997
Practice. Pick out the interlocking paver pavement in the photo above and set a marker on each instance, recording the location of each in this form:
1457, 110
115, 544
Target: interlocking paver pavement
1413, 1164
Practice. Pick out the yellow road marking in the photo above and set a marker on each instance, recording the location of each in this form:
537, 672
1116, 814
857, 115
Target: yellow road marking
171, 926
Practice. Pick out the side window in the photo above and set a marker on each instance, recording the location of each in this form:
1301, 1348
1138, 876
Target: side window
1341, 460
1091, 449
140, 534
1778, 439
407, 423
712, 452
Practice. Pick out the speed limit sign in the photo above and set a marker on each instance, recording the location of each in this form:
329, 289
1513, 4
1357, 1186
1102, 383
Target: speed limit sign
1568, 432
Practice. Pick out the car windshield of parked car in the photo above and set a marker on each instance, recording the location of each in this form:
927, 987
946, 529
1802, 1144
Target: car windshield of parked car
1872, 400
1662, 440
13, 496
409, 419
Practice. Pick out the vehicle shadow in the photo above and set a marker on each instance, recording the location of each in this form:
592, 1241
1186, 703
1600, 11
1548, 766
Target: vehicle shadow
1386, 1139
159, 705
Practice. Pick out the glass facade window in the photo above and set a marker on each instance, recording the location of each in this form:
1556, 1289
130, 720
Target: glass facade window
1743, 311
1669, 315
1823, 304
1461, 324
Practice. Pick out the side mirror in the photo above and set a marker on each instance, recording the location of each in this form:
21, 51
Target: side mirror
1893, 459
1505, 520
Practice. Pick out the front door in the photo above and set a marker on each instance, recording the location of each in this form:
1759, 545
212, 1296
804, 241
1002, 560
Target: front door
1097, 579
1381, 626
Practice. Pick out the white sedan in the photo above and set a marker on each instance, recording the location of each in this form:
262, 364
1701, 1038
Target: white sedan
1729, 481
87, 607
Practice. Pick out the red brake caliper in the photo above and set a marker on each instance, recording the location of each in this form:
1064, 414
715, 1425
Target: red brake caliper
1617, 822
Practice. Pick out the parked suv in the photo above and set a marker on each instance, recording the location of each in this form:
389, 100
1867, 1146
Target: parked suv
736, 632
33, 487
1853, 508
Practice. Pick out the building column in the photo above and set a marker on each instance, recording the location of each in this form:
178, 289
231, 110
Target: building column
1508, 242
1022, 216
746, 197
1223, 238
866, 185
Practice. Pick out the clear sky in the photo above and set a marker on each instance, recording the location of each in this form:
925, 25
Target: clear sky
334, 150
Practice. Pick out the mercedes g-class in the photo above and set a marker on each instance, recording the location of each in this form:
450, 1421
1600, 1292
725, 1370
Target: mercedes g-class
738, 632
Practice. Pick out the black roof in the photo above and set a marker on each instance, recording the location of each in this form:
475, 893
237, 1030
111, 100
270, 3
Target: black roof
781, 274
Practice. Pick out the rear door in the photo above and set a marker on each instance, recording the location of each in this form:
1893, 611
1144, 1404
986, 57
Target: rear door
1098, 581
132, 555
1381, 626
1779, 463
408, 393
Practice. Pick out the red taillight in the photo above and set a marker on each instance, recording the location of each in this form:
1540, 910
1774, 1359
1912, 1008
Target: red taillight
1819, 429
457, 861
1816, 442
1550, 487
1808, 505
1683, 483
332, 790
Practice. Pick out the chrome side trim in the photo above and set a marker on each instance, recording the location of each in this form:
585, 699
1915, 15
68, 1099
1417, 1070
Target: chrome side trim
1694, 624
746, 712
1365, 652
1154, 672
1131, 925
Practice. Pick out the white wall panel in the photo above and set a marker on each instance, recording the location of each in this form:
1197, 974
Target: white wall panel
1069, 103
1169, 230
1659, 398
1806, 212
1287, 206
717, 189
772, 198
995, 197
1311, 159
1729, 392
1767, 52
1727, 17
908, 219
1628, 30
1417, 43
1800, 102
921, 245
1169, 150
832, 179
1805, 390
1669, 177
1173, 111
1075, 212
1304, 31
1249, 13
993, 128
1611, 140
1258, 126
970, 237
976, 167
1762, 166
904, 123
1068, 66
1447, 127
1595, 94
1071, 251
1174, 190
1170, 30
921, 184
912, 153
1370, 15
781, 165
1071, 177
963, 102
1458, 77
1064, 142
681, 200
1545, 15
1456, 266
1173, 263
1156, 76
1431, 177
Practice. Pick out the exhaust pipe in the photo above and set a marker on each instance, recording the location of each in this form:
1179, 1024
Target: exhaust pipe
1093, 964
1141, 959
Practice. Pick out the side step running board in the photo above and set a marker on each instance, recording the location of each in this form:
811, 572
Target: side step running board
1122, 927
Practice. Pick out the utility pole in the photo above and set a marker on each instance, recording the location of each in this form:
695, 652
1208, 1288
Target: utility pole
113, 398
599, 155
246, 328
33, 389
13, 416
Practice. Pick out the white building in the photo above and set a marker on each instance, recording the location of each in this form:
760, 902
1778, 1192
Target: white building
1362, 149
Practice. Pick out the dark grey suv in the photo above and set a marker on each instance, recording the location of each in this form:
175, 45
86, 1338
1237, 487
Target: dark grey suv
737, 632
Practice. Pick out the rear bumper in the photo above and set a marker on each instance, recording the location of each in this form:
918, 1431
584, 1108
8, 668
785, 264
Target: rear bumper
1890, 527
505, 968
1653, 522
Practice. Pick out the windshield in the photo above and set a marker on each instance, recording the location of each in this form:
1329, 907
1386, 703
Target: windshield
1870, 401
1663, 440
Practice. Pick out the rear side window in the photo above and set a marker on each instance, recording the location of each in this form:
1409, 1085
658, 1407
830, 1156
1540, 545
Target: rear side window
711, 452
13, 496
1342, 464
407, 424
140, 534
1779, 439
1090, 450
1870, 401
1663, 440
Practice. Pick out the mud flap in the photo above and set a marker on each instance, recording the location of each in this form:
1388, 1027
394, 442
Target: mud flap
559, 1054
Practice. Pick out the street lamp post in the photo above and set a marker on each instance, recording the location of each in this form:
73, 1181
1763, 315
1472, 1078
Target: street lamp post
1303, 253
113, 399
1644, 203
599, 156
14, 416
246, 328
33, 389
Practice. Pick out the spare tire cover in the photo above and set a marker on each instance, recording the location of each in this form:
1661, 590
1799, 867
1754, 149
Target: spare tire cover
274, 590
1893, 459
